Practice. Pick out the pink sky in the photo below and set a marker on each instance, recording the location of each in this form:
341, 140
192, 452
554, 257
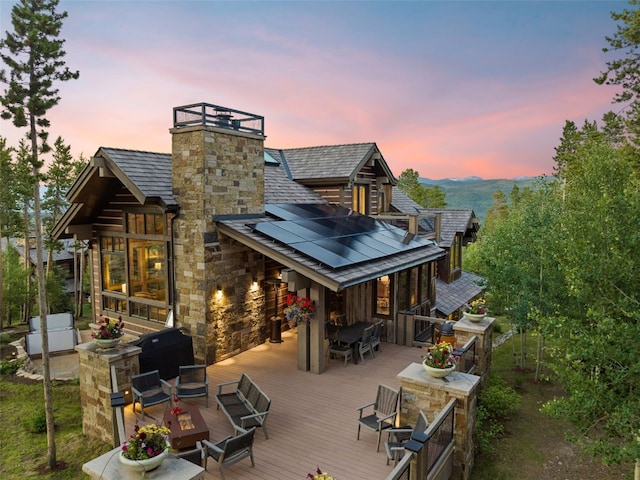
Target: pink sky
450, 89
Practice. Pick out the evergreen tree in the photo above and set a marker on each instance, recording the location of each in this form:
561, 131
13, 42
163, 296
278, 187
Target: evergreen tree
34, 56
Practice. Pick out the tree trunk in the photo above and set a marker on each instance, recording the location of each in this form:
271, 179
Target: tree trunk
26, 308
539, 355
42, 302
523, 348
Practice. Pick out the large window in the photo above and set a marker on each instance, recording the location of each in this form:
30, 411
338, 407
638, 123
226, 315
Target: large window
414, 286
134, 268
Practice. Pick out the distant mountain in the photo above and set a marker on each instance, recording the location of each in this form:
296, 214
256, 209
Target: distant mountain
475, 193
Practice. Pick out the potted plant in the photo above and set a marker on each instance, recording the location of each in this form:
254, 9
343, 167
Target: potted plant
147, 447
298, 309
439, 360
475, 310
109, 331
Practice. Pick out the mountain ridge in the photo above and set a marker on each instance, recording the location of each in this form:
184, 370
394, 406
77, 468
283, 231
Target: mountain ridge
475, 193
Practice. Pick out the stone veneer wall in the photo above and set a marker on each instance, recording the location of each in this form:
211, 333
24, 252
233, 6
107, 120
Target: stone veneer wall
422, 392
483, 330
95, 386
217, 172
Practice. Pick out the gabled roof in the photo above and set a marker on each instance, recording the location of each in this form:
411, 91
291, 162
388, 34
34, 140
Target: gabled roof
451, 296
454, 221
329, 163
147, 175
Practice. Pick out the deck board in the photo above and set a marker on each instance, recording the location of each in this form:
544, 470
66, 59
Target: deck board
313, 419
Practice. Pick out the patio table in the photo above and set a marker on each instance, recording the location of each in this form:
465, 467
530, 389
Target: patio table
350, 335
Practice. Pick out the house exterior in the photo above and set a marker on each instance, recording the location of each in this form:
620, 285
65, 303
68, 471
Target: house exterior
452, 229
215, 234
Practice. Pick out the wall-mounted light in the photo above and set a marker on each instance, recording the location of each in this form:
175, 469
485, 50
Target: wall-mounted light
254, 284
219, 289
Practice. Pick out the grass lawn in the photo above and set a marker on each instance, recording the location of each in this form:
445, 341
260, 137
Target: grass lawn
23, 453
533, 447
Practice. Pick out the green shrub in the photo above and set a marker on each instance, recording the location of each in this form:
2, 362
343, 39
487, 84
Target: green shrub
38, 422
497, 403
10, 367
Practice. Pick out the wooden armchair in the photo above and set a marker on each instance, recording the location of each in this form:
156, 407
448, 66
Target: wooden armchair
149, 389
231, 449
384, 412
193, 381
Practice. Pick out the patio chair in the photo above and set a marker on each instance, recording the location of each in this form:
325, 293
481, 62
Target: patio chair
340, 349
193, 381
364, 345
375, 337
397, 438
197, 455
149, 389
231, 449
384, 412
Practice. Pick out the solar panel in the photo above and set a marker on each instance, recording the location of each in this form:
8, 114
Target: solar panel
334, 235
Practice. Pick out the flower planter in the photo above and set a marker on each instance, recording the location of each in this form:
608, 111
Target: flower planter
438, 372
107, 342
145, 465
473, 317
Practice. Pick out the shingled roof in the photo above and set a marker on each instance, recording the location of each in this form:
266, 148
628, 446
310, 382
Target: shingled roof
451, 296
456, 221
340, 163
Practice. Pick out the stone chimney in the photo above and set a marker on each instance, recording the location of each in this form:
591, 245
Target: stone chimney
218, 169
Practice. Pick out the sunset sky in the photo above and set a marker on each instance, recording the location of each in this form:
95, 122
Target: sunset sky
450, 89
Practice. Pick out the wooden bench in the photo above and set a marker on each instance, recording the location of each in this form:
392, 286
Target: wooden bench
246, 405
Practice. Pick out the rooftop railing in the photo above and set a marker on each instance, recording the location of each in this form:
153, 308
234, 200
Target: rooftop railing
207, 114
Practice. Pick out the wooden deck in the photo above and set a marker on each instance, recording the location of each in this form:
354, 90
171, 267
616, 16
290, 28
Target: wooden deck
313, 418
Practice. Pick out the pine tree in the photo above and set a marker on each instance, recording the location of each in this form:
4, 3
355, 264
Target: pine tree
34, 56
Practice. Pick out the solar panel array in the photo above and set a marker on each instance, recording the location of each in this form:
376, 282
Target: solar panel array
334, 235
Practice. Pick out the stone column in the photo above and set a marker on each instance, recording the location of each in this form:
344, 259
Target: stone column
465, 329
98, 417
420, 391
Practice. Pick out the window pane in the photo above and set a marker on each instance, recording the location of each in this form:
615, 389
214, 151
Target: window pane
113, 268
383, 290
413, 296
424, 282
403, 290
131, 223
147, 269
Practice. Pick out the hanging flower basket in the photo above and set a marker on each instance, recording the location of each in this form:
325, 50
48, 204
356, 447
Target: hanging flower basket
298, 309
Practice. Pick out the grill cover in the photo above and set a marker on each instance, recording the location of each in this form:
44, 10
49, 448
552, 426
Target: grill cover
165, 351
